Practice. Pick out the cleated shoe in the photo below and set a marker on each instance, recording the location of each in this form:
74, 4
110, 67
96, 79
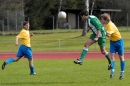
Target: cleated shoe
3, 65
78, 62
121, 75
33, 73
112, 75
109, 66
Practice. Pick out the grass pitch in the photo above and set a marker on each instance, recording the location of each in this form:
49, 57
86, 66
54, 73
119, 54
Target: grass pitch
63, 73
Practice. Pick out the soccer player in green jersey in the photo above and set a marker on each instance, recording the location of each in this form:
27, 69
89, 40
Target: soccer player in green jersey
116, 44
98, 35
24, 49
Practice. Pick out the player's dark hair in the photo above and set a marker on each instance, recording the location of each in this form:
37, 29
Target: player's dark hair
25, 22
84, 12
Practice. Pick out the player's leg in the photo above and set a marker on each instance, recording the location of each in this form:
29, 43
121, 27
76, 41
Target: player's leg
121, 56
29, 56
102, 44
10, 60
113, 65
18, 56
112, 53
84, 52
89, 42
85, 49
31, 66
106, 54
122, 66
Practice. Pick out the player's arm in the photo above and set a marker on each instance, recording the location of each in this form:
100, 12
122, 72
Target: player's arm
16, 41
19, 36
31, 34
109, 30
97, 35
108, 34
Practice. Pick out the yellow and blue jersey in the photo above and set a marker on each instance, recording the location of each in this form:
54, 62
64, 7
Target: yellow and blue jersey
113, 30
24, 35
116, 42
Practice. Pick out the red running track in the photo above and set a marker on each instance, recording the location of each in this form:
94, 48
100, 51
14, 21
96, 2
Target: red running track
61, 55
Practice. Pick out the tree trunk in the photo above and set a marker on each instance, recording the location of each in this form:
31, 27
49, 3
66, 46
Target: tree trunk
84, 29
60, 4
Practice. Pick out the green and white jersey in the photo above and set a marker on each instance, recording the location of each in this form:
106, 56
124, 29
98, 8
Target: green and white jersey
95, 24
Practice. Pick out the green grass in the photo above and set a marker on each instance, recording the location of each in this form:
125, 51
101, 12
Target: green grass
63, 73
57, 40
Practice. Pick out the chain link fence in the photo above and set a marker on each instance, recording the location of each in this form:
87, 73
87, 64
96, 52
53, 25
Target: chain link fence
11, 21
57, 45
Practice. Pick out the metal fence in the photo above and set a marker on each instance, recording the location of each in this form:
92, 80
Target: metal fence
11, 21
57, 45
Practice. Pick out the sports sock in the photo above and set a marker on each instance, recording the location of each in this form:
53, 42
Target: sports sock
84, 52
108, 58
113, 67
10, 60
113, 64
32, 69
122, 65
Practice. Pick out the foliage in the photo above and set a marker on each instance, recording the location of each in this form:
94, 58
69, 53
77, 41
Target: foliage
40, 12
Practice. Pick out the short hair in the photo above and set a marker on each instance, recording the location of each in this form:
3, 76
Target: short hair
84, 12
25, 22
106, 16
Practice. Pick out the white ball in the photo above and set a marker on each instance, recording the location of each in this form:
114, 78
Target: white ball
62, 15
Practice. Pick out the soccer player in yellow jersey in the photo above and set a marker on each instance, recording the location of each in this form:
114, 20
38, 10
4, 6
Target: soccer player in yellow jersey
25, 48
116, 43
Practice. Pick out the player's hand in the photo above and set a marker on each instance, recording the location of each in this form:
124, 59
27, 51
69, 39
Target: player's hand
16, 44
31, 34
95, 39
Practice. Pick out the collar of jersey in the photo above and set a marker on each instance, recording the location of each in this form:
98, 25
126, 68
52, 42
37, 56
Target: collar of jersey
24, 29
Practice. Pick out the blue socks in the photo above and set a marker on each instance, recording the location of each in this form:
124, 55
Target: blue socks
10, 60
113, 64
32, 69
113, 67
122, 65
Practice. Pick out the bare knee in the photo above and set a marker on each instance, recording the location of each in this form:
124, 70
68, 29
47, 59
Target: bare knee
105, 53
30, 62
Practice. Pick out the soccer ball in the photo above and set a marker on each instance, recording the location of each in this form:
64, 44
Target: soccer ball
62, 15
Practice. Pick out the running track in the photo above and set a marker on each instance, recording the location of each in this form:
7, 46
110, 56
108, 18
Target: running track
61, 55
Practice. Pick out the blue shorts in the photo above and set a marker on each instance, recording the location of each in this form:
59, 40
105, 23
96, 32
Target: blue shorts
117, 46
25, 51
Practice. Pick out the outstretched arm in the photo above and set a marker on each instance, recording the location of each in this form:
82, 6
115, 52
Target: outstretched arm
31, 34
16, 41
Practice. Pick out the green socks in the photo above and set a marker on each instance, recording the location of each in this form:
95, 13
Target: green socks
108, 58
83, 54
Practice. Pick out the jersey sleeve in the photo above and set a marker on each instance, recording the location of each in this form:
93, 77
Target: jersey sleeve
21, 34
109, 29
